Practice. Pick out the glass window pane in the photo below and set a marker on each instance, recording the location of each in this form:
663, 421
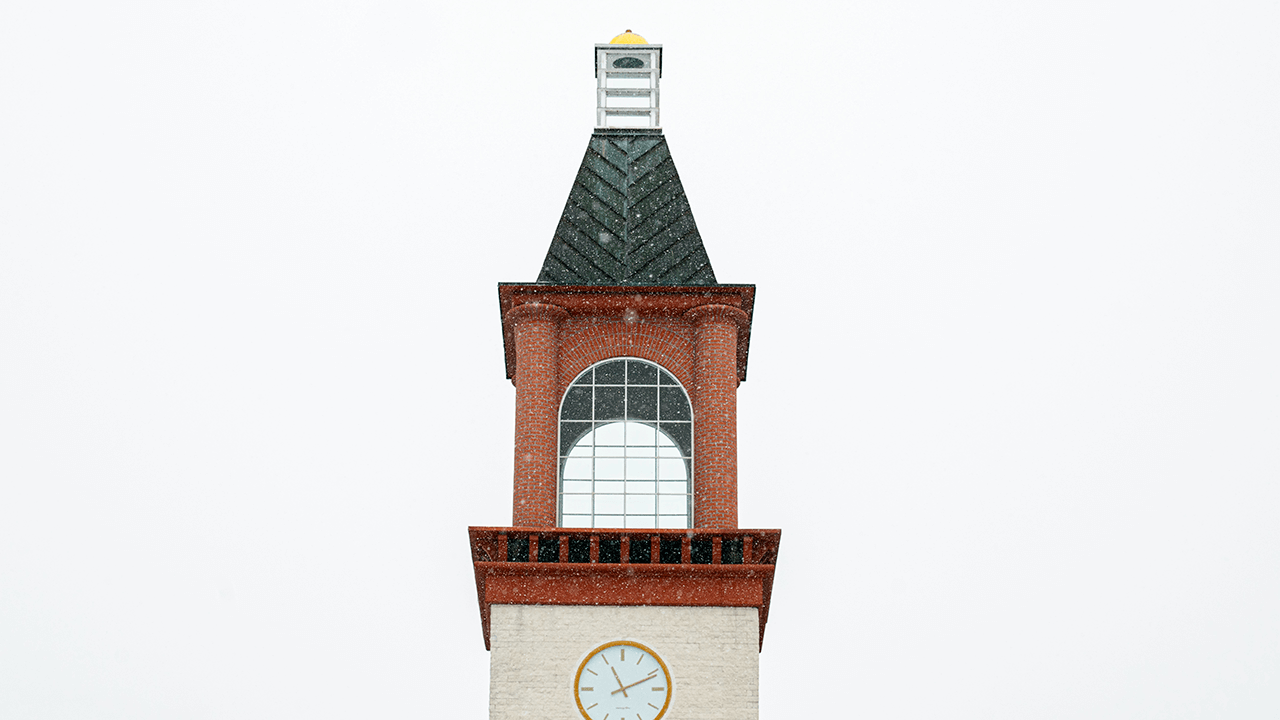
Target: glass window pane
641, 521
609, 403
609, 487
610, 451
673, 521
577, 404
672, 504
609, 468
577, 486
681, 434
672, 470
576, 521
641, 469
570, 432
609, 504
669, 451
608, 521
667, 379
611, 373
641, 373
642, 451
577, 469
674, 404
640, 504
642, 403
628, 61
634, 487
611, 434
576, 504
678, 488
641, 434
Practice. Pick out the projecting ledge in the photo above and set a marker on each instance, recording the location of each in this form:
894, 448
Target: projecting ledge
664, 570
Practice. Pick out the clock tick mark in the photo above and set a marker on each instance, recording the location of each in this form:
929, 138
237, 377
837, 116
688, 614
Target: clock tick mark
593, 672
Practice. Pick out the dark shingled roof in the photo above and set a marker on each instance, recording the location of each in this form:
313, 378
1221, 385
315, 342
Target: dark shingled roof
627, 221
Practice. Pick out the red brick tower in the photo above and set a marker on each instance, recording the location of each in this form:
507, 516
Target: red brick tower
626, 356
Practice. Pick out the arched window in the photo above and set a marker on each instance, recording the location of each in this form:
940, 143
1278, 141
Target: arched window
626, 448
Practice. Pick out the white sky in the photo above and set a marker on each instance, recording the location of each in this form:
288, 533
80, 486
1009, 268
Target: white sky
1013, 395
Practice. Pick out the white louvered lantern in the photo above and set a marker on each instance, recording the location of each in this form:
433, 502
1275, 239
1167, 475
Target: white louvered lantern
627, 74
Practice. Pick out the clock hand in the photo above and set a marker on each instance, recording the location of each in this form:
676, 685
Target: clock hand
623, 690
620, 688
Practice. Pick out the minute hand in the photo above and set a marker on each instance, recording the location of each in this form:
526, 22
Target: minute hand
651, 676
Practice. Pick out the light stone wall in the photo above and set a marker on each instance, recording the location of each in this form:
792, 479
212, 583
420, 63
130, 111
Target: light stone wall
713, 654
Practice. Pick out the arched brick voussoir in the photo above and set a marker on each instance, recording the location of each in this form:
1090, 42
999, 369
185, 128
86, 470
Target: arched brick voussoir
667, 342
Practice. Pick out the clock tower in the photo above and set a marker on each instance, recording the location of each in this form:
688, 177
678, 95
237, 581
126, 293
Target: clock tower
624, 587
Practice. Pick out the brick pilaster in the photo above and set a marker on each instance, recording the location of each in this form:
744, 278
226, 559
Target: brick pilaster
536, 328
715, 415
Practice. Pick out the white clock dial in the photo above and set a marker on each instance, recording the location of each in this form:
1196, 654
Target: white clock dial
622, 680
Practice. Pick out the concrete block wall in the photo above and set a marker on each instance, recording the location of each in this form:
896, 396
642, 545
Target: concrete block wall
712, 654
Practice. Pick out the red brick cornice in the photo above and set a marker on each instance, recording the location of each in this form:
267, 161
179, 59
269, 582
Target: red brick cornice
629, 303
535, 311
608, 300
706, 313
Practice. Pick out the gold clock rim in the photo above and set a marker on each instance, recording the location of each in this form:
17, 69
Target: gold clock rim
577, 677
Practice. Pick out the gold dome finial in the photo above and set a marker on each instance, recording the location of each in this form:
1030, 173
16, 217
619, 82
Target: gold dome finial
628, 38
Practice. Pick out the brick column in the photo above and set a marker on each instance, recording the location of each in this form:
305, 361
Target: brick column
536, 328
715, 415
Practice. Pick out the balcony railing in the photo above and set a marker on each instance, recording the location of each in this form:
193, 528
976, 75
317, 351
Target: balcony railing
563, 566
625, 547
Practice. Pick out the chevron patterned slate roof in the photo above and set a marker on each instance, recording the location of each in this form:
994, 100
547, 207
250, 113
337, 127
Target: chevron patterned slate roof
627, 220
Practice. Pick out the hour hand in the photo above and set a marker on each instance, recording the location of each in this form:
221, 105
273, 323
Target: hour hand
620, 689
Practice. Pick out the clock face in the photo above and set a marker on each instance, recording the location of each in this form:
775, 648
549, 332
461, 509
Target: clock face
622, 680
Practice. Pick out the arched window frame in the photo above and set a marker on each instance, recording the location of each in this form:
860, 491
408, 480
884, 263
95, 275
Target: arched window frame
677, 432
